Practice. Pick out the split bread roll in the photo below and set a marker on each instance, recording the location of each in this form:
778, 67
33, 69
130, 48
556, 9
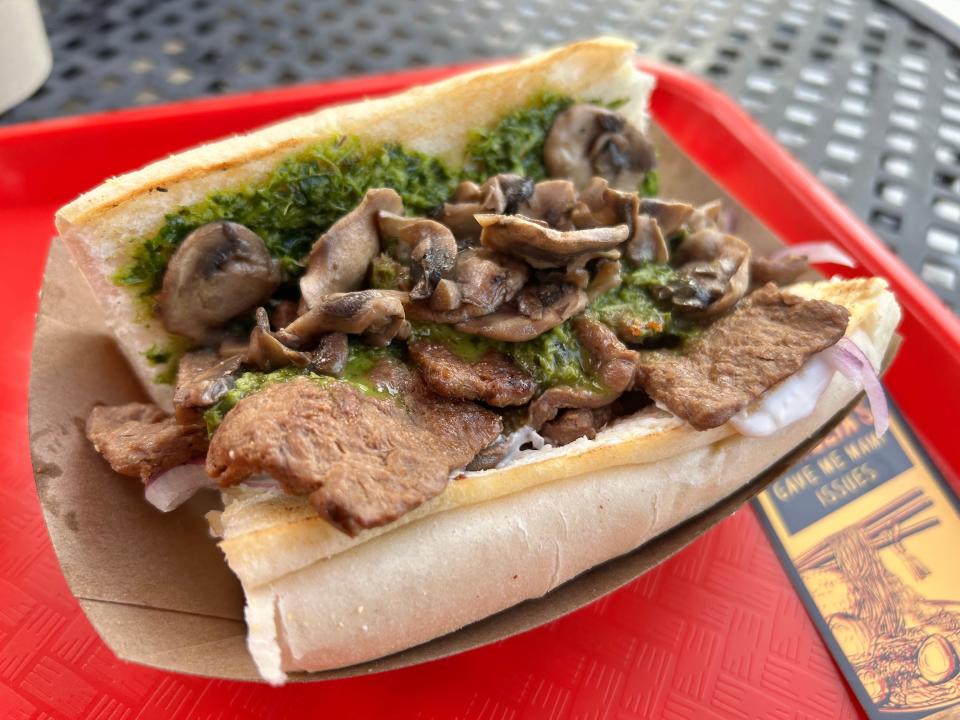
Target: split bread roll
318, 599
98, 227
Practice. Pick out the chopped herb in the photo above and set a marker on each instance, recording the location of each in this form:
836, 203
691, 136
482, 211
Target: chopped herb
464, 345
631, 310
388, 274
650, 185
555, 358
168, 355
515, 144
297, 202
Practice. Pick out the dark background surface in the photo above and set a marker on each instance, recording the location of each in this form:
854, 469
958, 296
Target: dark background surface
864, 95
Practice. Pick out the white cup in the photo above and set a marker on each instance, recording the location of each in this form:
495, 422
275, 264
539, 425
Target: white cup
25, 57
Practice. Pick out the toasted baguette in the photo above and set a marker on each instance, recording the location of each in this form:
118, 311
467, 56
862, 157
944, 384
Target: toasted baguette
318, 599
100, 226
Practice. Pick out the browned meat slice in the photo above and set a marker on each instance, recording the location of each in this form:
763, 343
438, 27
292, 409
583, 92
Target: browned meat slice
781, 271
494, 378
613, 365
575, 423
363, 461
340, 258
462, 427
140, 440
765, 339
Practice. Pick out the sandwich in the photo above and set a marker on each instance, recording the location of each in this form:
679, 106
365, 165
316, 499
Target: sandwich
443, 351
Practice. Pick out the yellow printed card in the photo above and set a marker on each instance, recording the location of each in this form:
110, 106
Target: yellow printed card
870, 535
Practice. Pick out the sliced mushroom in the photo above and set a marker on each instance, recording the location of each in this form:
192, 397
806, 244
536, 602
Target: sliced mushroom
446, 296
612, 363
781, 271
669, 214
339, 259
647, 243
513, 326
544, 247
601, 205
501, 194
606, 278
283, 313
433, 249
488, 279
714, 273
587, 140
485, 279
706, 216
577, 272
330, 355
376, 314
265, 352
220, 270
203, 389
552, 202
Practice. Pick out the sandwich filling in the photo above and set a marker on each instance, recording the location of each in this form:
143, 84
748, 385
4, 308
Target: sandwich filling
366, 322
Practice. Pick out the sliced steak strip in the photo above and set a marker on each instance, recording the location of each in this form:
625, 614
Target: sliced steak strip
140, 440
575, 423
765, 339
462, 427
362, 460
494, 378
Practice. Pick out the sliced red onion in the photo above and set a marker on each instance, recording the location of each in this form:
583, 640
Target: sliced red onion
816, 252
847, 357
170, 489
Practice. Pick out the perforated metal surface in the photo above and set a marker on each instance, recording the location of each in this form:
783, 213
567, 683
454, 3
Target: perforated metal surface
863, 95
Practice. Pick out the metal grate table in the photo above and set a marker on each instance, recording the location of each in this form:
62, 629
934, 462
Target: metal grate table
862, 94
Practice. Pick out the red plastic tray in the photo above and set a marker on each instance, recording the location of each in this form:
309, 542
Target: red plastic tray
716, 632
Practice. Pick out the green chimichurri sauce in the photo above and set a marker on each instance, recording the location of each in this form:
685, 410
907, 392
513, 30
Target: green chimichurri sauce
298, 201
515, 144
631, 311
555, 358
